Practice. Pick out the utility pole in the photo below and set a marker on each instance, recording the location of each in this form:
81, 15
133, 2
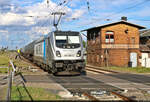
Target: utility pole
88, 5
60, 15
47, 3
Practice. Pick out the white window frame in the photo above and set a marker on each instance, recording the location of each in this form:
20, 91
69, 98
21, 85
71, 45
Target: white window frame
109, 40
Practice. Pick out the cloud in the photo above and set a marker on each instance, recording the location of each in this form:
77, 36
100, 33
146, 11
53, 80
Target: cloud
3, 31
12, 18
77, 13
30, 19
30, 15
21, 16
5, 2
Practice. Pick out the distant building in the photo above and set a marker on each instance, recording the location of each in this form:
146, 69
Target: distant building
145, 48
145, 37
114, 44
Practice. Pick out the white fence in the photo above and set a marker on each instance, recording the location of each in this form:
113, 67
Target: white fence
10, 80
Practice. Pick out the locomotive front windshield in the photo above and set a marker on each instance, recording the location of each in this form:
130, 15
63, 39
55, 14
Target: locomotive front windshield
67, 40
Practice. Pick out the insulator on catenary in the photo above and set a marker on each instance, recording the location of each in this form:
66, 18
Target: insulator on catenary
88, 5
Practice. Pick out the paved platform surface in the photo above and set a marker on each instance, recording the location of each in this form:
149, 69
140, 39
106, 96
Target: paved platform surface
124, 80
93, 81
71, 82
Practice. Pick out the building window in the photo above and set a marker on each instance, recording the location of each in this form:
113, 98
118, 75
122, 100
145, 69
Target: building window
94, 38
109, 37
133, 40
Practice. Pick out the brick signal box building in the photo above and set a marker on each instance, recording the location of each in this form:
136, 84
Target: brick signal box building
114, 44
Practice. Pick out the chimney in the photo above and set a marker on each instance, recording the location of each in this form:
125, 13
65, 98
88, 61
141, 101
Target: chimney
124, 18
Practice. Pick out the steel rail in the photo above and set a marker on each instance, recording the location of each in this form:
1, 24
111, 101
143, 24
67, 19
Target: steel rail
29, 61
124, 98
101, 69
90, 97
83, 93
95, 71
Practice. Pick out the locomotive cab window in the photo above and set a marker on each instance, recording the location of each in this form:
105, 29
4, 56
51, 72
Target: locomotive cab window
73, 40
67, 40
109, 37
61, 39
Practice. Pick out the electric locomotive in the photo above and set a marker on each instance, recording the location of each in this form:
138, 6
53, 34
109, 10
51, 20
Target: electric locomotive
58, 52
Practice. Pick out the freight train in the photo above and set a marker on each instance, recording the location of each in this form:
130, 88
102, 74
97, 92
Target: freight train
58, 52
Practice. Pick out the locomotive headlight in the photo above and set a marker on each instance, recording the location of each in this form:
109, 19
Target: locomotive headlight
79, 53
58, 54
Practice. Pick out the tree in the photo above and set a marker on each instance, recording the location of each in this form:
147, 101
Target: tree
84, 43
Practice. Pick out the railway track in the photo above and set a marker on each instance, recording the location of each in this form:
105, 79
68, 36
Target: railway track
99, 70
93, 98
29, 61
82, 85
124, 98
90, 97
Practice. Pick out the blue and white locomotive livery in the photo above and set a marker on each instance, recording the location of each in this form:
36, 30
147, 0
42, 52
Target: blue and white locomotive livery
59, 51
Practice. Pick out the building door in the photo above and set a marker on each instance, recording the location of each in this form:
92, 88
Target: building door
144, 59
133, 59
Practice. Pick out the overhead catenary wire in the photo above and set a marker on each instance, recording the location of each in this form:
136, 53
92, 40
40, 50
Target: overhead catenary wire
116, 13
64, 3
63, 8
12, 4
88, 5
46, 21
60, 4
47, 3
68, 4
51, 11
145, 20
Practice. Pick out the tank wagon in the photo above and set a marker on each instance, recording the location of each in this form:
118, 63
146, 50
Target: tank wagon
59, 51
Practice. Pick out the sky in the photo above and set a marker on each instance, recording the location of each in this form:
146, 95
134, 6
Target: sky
22, 21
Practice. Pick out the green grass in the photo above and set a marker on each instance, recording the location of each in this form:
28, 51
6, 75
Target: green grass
3, 93
36, 94
3, 70
129, 69
21, 63
4, 60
